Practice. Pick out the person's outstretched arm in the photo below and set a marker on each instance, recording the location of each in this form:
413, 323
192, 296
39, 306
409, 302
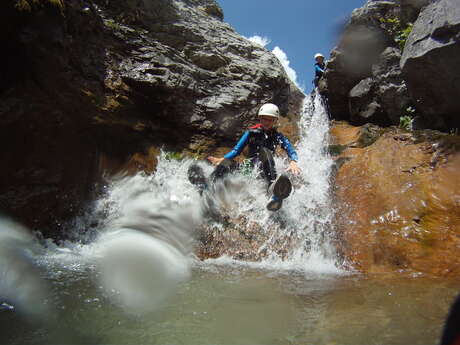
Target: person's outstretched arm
239, 147
292, 154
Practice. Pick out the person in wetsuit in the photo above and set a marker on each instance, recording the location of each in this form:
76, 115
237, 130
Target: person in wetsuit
320, 68
262, 140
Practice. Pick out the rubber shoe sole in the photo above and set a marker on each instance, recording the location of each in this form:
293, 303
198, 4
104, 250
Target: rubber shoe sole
274, 204
282, 187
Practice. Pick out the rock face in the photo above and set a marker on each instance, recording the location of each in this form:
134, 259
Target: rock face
376, 76
363, 40
430, 64
399, 200
410, 9
95, 87
383, 97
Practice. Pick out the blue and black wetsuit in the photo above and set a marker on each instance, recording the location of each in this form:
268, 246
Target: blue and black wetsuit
262, 145
319, 71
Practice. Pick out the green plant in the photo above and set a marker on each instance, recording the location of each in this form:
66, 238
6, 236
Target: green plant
405, 122
399, 33
336, 149
174, 156
410, 111
29, 5
110, 23
402, 35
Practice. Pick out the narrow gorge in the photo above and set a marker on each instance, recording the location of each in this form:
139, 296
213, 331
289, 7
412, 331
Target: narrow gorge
104, 106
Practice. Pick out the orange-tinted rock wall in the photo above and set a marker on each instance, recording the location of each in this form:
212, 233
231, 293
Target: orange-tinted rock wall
399, 201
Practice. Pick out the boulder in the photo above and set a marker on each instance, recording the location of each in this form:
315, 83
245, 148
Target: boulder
397, 201
391, 90
430, 64
363, 106
383, 98
92, 88
360, 46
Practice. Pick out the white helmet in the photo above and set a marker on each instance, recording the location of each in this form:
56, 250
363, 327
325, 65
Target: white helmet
317, 55
269, 109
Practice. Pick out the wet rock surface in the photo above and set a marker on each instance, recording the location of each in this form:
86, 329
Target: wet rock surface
430, 64
382, 98
363, 40
398, 201
384, 68
98, 87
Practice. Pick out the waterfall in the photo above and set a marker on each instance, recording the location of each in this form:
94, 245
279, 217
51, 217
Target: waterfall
140, 235
299, 235
311, 204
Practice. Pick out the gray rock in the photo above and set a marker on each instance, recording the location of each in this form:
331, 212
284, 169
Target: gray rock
359, 48
363, 106
194, 70
410, 9
382, 98
391, 90
430, 64
100, 91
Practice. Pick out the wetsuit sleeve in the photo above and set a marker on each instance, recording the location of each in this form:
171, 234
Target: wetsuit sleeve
286, 145
238, 147
319, 69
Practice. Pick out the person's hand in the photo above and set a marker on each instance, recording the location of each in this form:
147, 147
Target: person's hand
294, 168
215, 160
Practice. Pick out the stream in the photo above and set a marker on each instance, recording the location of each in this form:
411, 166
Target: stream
128, 273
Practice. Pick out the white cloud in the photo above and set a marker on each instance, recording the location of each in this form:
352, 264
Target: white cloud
262, 41
280, 54
282, 57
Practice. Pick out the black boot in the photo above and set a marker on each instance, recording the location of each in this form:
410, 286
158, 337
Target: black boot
196, 177
280, 189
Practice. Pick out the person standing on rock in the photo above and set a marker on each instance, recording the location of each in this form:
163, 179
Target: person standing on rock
262, 140
320, 67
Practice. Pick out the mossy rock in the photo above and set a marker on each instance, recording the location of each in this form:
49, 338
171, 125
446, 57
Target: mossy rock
32, 5
336, 150
369, 133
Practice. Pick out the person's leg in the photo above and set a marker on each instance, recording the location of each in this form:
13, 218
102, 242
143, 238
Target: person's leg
278, 187
316, 81
267, 164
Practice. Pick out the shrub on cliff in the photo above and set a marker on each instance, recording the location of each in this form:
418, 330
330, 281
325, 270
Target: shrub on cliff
30, 5
396, 30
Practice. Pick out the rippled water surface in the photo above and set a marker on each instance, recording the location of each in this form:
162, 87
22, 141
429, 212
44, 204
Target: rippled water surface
126, 277
228, 304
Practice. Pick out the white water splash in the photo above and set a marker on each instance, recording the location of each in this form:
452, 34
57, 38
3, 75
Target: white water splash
303, 225
311, 204
142, 243
20, 282
143, 247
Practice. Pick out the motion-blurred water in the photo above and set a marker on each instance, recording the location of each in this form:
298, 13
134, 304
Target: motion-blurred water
129, 275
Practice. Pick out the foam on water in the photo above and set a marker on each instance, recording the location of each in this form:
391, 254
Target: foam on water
305, 220
21, 284
139, 235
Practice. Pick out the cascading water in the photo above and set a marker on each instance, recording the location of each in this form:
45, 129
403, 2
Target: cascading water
297, 236
309, 209
146, 223
129, 274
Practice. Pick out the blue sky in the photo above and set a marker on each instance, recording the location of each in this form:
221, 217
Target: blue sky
299, 28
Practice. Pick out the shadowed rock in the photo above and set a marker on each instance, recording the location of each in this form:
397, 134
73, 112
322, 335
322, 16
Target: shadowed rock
430, 64
360, 46
98, 87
